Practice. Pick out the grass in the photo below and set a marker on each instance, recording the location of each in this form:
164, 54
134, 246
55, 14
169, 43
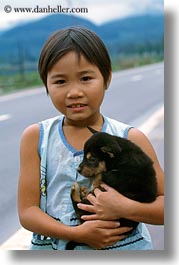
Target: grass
11, 83
126, 62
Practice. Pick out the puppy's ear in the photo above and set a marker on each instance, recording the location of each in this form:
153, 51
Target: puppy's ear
92, 130
112, 151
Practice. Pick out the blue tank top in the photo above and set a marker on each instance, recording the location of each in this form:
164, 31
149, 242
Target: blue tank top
59, 163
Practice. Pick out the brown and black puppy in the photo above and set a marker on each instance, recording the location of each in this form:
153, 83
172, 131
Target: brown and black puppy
120, 164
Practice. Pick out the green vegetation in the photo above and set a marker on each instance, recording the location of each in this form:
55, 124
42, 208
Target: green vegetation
134, 61
9, 83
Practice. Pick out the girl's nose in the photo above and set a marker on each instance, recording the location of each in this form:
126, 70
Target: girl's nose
74, 92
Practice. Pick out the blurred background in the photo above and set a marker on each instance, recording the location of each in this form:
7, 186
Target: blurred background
133, 32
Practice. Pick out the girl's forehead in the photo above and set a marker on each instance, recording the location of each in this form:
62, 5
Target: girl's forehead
72, 62
72, 58
78, 57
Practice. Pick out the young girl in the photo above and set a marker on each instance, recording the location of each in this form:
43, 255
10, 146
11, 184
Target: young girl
76, 70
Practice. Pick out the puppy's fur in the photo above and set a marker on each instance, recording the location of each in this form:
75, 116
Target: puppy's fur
120, 164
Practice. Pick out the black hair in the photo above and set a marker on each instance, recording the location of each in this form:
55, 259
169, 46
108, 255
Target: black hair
81, 40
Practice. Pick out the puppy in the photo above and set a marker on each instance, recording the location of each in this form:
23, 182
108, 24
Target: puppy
120, 164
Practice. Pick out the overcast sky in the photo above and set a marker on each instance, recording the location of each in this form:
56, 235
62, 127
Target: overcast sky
99, 11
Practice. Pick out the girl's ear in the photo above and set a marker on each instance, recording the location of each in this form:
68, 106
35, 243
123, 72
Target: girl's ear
109, 81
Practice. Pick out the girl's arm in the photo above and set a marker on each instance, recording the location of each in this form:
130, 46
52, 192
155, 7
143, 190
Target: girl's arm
150, 212
30, 214
96, 233
111, 205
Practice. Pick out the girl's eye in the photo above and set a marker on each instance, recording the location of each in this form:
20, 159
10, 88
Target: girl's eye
60, 82
86, 78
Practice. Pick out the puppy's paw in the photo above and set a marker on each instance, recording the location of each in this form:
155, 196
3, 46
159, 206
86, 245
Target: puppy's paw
75, 192
83, 193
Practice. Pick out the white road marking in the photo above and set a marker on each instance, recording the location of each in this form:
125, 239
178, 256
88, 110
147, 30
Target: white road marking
136, 78
20, 94
19, 241
138, 70
152, 121
5, 117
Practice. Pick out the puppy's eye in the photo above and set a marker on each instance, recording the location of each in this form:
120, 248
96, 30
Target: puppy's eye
92, 159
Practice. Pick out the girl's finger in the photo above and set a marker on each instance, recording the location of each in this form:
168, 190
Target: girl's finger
86, 207
104, 186
91, 198
89, 217
97, 191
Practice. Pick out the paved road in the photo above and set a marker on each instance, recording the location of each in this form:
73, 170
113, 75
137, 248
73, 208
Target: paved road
132, 97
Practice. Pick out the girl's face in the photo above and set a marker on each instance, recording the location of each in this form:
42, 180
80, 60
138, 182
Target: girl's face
76, 88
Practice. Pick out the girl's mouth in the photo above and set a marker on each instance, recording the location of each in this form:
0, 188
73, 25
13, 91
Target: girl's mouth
77, 105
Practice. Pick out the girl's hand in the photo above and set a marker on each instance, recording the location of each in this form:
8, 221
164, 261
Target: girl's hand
99, 234
108, 205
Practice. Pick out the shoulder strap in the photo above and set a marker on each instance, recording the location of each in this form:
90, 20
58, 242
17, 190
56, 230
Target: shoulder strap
47, 125
117, 128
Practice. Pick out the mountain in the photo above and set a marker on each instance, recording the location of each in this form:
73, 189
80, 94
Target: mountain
120, 35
